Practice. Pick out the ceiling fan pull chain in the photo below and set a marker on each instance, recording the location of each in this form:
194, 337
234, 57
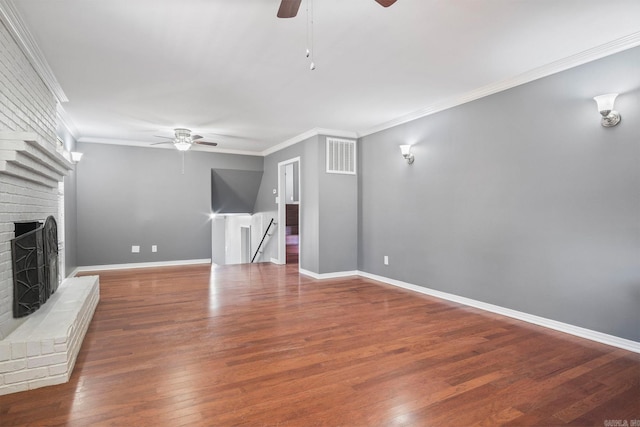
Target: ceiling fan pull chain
308, 38
312, 66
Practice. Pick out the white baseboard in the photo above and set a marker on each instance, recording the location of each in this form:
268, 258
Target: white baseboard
322, 276
138, 265
526, 317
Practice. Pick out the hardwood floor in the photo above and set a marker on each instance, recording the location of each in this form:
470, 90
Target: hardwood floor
260, 345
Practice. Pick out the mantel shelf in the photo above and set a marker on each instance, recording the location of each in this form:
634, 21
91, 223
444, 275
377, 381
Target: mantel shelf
25, 156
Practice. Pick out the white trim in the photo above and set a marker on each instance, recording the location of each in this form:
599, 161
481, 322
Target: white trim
578, 331
20, 32
306, 135
275, 261
323, 276
526, 317
139, 265
73, 273
572, 61
292, 141
66, 121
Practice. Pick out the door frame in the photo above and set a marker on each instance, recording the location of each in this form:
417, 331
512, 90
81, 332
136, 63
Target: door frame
282, 208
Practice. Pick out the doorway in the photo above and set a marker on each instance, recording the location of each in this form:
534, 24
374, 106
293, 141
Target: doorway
289, 211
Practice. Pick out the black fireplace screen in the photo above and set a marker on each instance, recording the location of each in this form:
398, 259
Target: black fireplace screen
34, 254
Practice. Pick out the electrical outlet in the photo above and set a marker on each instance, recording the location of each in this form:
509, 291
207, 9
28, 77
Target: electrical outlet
386, 260
135, 249
154, 248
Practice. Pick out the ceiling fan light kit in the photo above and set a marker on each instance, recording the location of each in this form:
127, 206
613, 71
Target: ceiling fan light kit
182, 145
183, 139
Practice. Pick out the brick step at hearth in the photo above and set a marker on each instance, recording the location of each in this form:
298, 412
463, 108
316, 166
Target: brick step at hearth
43, 349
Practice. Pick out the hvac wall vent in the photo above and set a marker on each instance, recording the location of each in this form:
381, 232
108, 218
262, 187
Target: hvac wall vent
341, 156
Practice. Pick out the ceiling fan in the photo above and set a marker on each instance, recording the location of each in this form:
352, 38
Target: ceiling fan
289, 8
183, 140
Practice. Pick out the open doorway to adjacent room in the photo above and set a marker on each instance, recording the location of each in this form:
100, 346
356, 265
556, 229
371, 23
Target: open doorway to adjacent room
289, 211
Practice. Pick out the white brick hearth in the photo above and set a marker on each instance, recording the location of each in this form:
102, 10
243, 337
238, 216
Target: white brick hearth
43, 350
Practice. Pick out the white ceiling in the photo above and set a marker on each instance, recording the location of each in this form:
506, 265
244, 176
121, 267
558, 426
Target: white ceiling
132, 69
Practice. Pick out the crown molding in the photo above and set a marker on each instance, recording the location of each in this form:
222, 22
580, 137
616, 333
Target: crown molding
292, 141
309, 134
20, 32
66, 121
598, 52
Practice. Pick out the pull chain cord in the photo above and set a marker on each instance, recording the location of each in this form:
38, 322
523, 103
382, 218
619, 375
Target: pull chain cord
306, 9
182, 152
310, 51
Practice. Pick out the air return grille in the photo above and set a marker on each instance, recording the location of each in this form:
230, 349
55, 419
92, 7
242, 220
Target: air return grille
341, 156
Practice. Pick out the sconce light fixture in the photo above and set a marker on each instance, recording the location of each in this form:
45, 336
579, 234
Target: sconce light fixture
610, 117
76, 156
406, 153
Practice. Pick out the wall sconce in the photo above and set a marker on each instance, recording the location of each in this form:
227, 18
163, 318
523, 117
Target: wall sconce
76, 156
406, 153
610, 117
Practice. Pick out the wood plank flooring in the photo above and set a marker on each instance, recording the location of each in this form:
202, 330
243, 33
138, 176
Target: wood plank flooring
261, 345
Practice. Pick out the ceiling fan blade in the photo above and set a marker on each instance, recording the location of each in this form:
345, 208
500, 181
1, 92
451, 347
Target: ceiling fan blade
288, 8
385, 3
194, 137
212, 144
163, 142
165, 137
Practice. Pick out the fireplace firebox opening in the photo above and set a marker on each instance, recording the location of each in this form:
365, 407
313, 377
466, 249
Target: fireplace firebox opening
34, 252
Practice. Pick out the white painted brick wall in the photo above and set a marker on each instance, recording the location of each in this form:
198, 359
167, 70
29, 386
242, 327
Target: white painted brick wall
26, 104
40, 349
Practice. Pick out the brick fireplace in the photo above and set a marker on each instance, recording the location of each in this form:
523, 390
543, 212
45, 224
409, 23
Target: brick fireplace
41, 348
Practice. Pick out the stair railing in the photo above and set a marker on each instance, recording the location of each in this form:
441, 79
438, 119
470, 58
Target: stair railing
264, 236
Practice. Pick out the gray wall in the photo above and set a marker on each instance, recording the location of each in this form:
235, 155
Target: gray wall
70, 223
328, 209
138, 196
520, 199
338, 219
70, 206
